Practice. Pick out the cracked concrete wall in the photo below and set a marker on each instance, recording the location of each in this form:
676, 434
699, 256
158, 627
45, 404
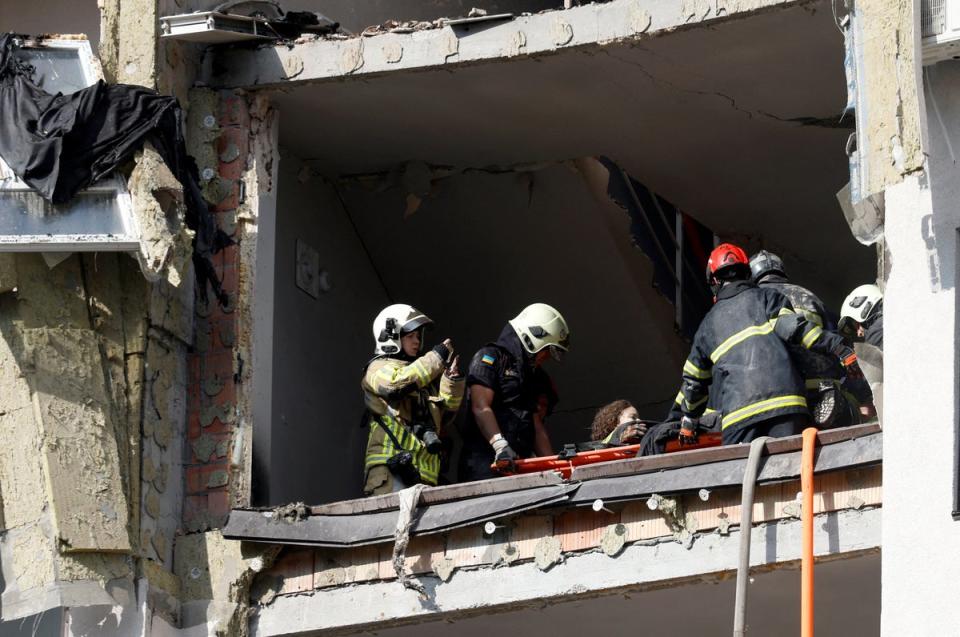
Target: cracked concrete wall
216, 575
889, 134
638, 567
66, 503
355, 16
234, 142
93, 408
132, 52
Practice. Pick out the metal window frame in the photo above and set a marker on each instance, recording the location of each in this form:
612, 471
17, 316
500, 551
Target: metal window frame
128, 241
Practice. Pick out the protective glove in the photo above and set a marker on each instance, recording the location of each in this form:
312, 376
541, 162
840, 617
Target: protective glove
442, 351
504, 458
850, 365
688, 430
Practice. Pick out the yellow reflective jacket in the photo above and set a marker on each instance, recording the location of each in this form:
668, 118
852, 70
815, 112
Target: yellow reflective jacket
391, 389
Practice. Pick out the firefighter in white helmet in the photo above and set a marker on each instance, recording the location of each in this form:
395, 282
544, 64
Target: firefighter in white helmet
406, 395
509, 395
861, 321
861, 316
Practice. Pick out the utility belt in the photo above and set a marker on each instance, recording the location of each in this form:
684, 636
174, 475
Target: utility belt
400, 463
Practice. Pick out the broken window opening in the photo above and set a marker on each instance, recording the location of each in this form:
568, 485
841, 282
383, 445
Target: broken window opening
99, 218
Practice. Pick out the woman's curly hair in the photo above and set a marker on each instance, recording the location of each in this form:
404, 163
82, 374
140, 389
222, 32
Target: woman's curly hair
606, 418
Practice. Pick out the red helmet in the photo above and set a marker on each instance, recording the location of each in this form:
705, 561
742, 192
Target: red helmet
724, 256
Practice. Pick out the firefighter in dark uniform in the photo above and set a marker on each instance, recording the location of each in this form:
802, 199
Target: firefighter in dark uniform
833, 399
742, 342
509, 395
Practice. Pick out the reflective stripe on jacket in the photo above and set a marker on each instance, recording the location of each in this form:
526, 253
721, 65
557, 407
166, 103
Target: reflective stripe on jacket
392, 389
813, 366
742, 343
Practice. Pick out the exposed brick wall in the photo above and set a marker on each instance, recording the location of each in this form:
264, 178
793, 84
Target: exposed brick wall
213, 382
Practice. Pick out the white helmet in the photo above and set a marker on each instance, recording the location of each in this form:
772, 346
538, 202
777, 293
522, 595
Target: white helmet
539, 326
859, 306
393, 322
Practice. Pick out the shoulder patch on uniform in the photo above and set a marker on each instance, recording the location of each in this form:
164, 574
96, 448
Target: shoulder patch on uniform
487, 359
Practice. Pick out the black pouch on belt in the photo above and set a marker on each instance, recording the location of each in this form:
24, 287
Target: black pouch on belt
400, 464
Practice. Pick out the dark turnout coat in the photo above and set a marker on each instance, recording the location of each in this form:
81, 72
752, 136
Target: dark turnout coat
741, 347
814, 366
519, 387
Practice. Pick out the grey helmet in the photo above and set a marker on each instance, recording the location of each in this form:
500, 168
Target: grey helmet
764, 263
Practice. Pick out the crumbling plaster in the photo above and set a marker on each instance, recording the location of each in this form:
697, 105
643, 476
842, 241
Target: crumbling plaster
889, 130
216, 575
132, 52
254, 337
544, 33
638, 567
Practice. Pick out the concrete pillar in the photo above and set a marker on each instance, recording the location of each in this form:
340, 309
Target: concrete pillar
921, 540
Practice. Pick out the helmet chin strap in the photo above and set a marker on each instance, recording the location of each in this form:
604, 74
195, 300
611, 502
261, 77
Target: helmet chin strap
715, 285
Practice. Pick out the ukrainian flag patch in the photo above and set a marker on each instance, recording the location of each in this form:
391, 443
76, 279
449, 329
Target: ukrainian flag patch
486, 359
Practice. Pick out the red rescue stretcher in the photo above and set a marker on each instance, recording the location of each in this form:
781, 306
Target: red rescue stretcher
566, 465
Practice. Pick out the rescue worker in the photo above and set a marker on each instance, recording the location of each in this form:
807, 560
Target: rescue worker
617, 423
831, 401
509, 395
861, 316
742, 342
861, 321
405, 402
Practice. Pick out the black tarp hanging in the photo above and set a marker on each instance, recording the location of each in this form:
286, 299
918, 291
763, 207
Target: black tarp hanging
60, 144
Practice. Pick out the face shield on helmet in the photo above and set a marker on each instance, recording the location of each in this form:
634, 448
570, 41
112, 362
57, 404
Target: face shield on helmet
541, 326
392, 323
859, 308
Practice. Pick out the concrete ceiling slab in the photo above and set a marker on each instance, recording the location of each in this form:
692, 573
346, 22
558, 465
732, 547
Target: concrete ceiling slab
714, 117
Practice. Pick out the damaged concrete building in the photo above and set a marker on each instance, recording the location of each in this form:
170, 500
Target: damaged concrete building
571, 152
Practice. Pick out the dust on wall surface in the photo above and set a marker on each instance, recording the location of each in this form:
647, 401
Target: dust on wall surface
216, 576
890, 125
70, 483
132, 52
320, 346
231, 138
355, 16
